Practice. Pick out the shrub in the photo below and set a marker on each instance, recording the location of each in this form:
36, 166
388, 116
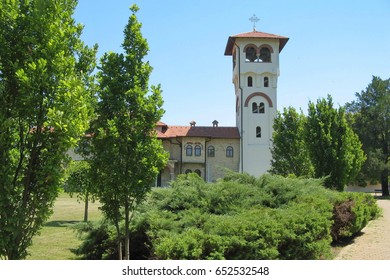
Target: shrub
352, 213
240, 217
99, 241
306, 230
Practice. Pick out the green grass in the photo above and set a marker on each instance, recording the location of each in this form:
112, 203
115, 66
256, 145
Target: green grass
57, 236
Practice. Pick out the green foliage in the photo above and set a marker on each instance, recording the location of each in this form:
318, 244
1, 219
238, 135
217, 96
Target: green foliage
290, 154
242, 217
351, 213
334, 149
319, 145
45, 104
79, 181
100, 241
371, 121
126, 156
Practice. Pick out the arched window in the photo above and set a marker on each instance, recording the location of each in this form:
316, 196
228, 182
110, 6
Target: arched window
229, 151
255, 108
211, 151
250, 81
189, 151
261, 108
188, 171
198, 151
250, 54
258, 132
265, 54
266, 82
197, 171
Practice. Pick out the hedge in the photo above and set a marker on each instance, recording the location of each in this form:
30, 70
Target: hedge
243, 217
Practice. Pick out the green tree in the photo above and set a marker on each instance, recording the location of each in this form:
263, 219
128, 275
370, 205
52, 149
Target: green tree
126, 155
335, 150
44, 108
289, 151
371, 115
79, 182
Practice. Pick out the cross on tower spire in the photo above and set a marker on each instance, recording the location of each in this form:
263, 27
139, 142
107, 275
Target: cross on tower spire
254, 19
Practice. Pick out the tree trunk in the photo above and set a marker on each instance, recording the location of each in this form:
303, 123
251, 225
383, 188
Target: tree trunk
127, 232
118, 234
385, 182
86, 208
120, 249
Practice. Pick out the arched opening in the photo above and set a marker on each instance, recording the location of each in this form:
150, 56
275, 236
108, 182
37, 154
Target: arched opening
229, 151
255, 108
189, 151
265, 54
258, 132
211, 151
261, 108
197, 171
250, 54
266, 82
198, 151
250, 81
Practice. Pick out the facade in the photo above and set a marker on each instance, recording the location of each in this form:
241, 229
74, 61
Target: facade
210, 150
255, 78
207, 151
246, 147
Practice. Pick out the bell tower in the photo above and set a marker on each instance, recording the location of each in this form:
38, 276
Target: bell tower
255, 77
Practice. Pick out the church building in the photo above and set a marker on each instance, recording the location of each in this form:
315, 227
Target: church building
210, 150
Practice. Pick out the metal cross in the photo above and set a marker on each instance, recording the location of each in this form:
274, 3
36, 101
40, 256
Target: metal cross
254, 19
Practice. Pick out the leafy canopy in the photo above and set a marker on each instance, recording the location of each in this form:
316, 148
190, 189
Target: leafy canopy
45, 105
126, 155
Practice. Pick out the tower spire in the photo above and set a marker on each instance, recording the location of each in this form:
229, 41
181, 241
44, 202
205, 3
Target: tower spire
254, 19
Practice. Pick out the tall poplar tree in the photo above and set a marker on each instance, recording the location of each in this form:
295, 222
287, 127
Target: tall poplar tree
334, 149
126, 155
45, 105
371, 114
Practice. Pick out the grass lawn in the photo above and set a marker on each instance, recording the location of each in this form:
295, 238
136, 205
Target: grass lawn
57, 236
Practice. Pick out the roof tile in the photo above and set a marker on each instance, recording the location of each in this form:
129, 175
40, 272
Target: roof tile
200, 131
255, 34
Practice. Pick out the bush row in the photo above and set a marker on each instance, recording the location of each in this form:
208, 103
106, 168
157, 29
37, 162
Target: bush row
242, 217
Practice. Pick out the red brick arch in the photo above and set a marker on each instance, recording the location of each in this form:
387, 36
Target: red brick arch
269, 100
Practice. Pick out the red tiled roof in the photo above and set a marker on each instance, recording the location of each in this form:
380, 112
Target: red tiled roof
254, 34
200, 131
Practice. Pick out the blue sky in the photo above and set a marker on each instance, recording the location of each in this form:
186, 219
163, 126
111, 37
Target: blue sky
335, 48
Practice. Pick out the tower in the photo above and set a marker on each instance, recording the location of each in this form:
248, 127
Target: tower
255, 77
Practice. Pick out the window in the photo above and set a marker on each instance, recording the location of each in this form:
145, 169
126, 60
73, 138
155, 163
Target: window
198, 151
250, 54
229, 151
266, 82
250, 81
265, 54
197, 171
188, 171
261, 108
189, 151
255, 109
258, 132
211, 151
